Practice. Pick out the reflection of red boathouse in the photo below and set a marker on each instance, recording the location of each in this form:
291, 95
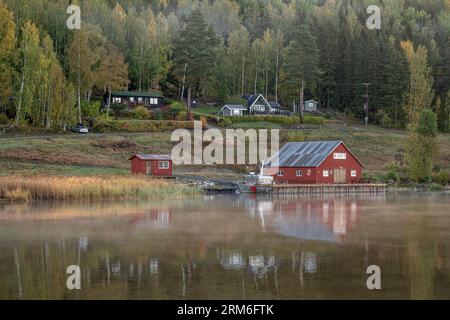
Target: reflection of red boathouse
314, 219
154, 217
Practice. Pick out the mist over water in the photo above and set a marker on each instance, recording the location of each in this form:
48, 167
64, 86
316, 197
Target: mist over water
229, 247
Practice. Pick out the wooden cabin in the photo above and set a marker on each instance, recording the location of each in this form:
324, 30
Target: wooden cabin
152, 165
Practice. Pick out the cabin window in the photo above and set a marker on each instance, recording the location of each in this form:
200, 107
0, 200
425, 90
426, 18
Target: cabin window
326, 173
340, 156
236, 111
131, 99
299, 173
353, 173
139, 100
281, 173
163, 165
154, 101
117, 100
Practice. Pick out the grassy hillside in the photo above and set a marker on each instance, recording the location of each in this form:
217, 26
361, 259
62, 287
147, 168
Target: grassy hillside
100, 154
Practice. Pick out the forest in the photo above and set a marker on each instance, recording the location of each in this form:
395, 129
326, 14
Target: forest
221, 50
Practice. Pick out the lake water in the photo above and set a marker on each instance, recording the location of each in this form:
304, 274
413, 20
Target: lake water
229, 247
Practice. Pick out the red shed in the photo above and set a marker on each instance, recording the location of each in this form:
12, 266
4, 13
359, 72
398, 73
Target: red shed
315, 162
151, 165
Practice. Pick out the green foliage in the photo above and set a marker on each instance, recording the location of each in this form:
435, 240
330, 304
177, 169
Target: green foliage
427, 125
90, 109
141, 113
294, 136
421, 147
441, 177
4, 118
383, 119
140, 125
225, 123
282, 120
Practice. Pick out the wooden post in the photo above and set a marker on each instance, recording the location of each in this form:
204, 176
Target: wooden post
188, 115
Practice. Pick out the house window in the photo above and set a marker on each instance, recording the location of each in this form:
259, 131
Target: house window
131, 99
311, 105
163, 165
299, 173
117, 100
281, 173
326, 173
340, 156
353, 173
139, 100
153, 101
236, 112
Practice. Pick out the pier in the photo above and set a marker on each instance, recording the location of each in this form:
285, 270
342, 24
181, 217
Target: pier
286, 189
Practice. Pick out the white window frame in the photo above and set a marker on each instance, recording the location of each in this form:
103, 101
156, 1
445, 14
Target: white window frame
299, 173
163, 165
280, 173
153, 101
340, 156
326, 173
354, 173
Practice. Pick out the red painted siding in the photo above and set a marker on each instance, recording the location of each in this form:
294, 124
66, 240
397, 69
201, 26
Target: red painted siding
139, 166
315, 175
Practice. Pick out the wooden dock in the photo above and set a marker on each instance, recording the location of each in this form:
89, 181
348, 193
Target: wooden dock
288, 189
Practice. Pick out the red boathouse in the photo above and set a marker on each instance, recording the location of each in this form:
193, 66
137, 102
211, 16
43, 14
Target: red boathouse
151, 165
315, 162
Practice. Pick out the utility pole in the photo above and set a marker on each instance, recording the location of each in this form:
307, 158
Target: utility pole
366, 105
188, 115
301, 105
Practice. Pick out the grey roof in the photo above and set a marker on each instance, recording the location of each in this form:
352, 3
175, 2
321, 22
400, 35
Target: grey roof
152, 157
305, 154
235, 107
274, 105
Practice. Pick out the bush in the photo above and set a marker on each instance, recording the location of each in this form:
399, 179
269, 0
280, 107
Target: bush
383, 119
282, 120
294, 136
396, 173
441, 177
90, 109
225, 123
4, 118
141, 125
141, 113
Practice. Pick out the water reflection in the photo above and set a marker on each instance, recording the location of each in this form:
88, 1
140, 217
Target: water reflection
228, 247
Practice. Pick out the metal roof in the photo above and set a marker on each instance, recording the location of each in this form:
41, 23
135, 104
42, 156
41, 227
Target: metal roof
305, 154
234, 107
134, 94
152, 157
274, 105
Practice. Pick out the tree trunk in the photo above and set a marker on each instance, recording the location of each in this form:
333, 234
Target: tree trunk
184, 82
79, 83
243, 75
276, 72
301, 106
19, 105
109, 100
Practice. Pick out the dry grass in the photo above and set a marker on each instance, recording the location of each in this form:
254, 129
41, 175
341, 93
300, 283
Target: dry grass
89, 188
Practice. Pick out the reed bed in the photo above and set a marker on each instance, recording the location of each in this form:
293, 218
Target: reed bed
30, 188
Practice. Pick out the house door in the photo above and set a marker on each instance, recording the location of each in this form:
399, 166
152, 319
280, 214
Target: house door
149, 168
339, 176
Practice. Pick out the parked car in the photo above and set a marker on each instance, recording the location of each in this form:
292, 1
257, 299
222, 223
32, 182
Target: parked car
79, 128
